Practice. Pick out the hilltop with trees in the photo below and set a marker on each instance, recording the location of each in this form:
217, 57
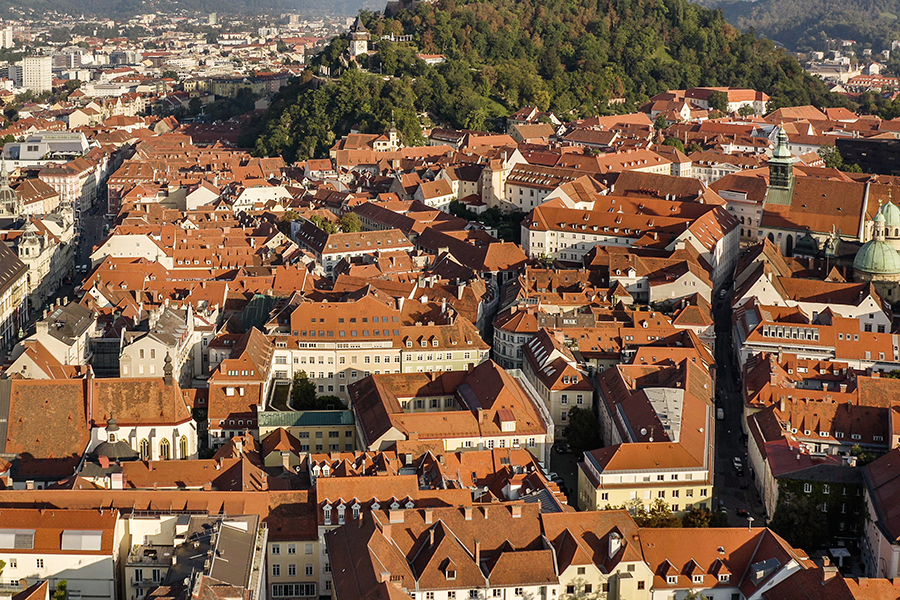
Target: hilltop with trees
577, 58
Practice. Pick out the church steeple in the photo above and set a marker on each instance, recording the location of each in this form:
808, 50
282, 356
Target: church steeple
781, 172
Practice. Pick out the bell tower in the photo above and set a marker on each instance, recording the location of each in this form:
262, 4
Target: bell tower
781, 172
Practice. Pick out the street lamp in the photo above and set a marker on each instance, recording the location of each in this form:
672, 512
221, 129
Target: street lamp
749, 522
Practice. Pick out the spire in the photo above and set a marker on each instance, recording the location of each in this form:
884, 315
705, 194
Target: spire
781, 172
781, 145
167, 370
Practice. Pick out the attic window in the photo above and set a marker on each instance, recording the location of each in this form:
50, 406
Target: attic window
672, 579
451, 575
724, 577
697, 578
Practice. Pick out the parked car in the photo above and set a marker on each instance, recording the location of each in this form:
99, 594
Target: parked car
720, 414
738, 465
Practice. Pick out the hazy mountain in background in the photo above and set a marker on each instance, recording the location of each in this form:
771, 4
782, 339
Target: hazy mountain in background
805, 24
127, 8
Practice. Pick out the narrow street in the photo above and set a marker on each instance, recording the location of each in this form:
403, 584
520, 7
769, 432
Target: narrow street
732, 491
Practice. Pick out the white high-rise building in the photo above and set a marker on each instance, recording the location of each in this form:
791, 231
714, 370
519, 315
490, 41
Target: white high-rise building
37, 73
6, 37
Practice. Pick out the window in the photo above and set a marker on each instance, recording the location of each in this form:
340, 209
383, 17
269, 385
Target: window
309, 570
293, 590
807, 487
292, 570
640, 585
138, 575
826, 489
308, 549
40, 563
164, 450
581, 570
12, 563
672, 579
451, 575
276, 570
276, 549
518, 591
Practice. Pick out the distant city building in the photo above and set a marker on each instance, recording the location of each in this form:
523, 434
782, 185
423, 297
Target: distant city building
37, 73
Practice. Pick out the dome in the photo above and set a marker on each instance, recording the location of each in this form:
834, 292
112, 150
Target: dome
877, 257
891, 214
115, 451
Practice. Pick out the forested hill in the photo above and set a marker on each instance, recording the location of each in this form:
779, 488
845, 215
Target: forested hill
571, 56
806, 24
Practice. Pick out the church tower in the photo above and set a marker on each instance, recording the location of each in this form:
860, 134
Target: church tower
781, 172
359, 39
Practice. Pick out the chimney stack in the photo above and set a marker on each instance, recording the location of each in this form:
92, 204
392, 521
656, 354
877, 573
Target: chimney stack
429, 516
467, 511
477, 551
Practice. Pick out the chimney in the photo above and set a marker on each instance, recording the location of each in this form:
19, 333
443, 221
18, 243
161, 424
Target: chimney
829, 572
467, 511
386, 531
396, 515
431, 537
843, 388
239, 444
781, 405
286, 461
477, 551
429, 516
516, 511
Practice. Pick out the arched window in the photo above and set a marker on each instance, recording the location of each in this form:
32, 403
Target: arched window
112, 438
183, 447
144, 449
165, 452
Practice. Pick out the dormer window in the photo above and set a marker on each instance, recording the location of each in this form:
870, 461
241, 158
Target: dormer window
672, 579
434, 343
697, 578
724, 578
409, 343
451, 575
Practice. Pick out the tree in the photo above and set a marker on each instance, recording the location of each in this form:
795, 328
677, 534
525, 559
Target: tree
583, 432
661, 122
833, 160
660, 515
350, 223
170, 74
746, 110
284, 222
62, 590
703, 517
718, 100
675, 143
303, 395
303, 392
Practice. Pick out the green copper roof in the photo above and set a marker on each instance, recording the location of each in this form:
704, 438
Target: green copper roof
891, 214
878, 257
781, 147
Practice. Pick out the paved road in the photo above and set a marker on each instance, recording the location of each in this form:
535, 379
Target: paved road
734, 491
